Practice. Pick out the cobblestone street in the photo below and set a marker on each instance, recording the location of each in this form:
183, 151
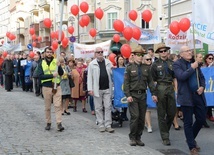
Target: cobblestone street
22, 131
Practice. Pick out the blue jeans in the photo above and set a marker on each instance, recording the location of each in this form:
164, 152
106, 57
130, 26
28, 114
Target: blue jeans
191, 129
91, 102
1, 78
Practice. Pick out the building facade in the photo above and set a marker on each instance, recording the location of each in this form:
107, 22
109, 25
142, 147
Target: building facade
18, 16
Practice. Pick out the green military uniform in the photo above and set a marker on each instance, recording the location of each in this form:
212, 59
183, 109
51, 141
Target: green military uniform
163, 74
137, 78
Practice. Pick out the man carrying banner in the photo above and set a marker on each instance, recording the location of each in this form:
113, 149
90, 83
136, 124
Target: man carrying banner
190, 96
163, 74
137, 78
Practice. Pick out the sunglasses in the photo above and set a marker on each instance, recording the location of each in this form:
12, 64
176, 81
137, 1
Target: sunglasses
99, 52
139, 54
148, 59
163, 51
210, 58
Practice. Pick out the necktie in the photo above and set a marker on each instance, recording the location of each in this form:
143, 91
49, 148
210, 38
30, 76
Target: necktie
166, 67
139, 72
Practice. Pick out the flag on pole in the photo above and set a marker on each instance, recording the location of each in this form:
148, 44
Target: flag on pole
203, 21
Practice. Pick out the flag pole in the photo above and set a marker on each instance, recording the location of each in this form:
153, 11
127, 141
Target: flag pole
59, 40
193, 27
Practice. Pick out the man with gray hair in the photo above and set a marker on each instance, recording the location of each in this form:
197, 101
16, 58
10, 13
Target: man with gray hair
190, 96
100, 87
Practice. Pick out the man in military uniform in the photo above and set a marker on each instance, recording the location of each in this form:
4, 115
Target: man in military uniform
137, 78
163, 74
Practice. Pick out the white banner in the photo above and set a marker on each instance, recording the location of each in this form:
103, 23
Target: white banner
181, 39
147, 36
11, 48
87, 51
202, 15
38, 49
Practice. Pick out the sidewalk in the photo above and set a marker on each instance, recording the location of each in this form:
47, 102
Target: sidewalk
22, 131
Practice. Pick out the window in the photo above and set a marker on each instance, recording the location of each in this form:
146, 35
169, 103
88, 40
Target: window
145, 25
111, 18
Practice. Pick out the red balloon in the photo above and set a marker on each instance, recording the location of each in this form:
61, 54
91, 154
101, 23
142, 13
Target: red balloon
54, 45
174, 27
81, 23
74, 9
12, 37
116, 38
33, 37
71, 29
112, 57
136, 33
39, 38
125, 50
8, 34
184, 24
4, 54
65, 42
32, 31
85, 20
99, 13
84, 7
93, 32
34, 44
53, 49
2, 42
31, 54
53, 35
47, 22
133, 15
62, 35
127, 33
147, 15
118, 25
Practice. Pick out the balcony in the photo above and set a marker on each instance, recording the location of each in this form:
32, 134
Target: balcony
33, 8
20, 30
35, 26
43, 3
64, 17
86, 38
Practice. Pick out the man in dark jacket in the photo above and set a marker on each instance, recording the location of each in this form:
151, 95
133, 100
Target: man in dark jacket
8, 72
190, 96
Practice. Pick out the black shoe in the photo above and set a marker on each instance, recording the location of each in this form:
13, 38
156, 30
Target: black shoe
75, 109
132, 143
84, 110
68, 113
60, 127
139, 143
166, 142
48, 127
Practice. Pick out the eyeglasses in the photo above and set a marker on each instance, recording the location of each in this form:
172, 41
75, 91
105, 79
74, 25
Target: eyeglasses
99, 52
210, 58
139, 54
163, 51
188, 51
148, 59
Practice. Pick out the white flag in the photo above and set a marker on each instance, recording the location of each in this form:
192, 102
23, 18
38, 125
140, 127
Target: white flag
202, 15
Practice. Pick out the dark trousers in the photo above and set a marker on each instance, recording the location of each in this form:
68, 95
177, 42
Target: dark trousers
137, 110
166, 109
191, 129
22, 78
16, 75
1, 78
8, 82
36, 86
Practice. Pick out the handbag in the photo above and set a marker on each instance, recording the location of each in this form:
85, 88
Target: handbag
71, 82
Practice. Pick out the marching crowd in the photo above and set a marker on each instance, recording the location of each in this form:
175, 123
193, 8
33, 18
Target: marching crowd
67, 80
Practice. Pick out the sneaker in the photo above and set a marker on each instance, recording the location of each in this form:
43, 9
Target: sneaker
166, 142
60, 127
194, 152
149, 129
139, 142
102, 129
132, 143
197, 147
110, 130
48, 127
